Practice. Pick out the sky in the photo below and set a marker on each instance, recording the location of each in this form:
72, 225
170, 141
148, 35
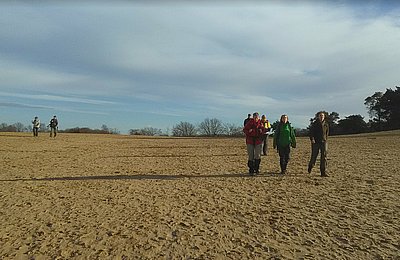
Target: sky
131, 65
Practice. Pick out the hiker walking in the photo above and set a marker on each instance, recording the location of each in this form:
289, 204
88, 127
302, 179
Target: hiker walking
35, 126
247, 119
254, 131
284, 138
53, 126
319, 132
267, 127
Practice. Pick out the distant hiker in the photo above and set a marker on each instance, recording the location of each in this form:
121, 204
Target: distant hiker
35, 126
319, 132
254, 131
247, 119
267, 127
284, 138
53, 126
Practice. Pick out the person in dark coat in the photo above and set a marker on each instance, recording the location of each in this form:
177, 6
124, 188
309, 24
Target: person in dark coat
36, 126
53, 126
247, 119
319, 132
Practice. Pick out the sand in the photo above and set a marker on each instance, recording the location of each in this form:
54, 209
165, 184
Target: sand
122, 197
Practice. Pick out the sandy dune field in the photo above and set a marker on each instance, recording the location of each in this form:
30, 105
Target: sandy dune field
123, 197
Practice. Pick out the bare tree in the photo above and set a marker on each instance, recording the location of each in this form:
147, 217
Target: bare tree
7, 128
150, 131
167, 131
184, 129
134, 132
104, 128
43, 127
233, 130
20, 127
211, 127
114, 131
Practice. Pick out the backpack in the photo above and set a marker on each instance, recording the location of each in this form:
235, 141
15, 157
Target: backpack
53, 122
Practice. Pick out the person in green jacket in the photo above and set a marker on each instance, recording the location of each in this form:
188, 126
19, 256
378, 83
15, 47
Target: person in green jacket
284, 138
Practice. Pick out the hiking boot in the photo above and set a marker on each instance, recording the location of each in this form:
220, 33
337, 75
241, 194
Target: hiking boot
324, 174
250, 164
309, 169
257, 166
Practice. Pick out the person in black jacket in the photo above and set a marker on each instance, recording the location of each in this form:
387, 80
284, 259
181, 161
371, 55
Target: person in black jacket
53, 126
35, 126
319, 132
247, 119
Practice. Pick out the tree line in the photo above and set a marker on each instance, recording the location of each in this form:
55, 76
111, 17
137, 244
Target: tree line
208, 127
19, 127
383, 109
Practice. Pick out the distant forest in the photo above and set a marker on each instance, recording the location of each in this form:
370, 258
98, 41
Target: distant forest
383, 109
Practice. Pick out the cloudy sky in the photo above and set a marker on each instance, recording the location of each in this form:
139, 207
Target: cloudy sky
134, 65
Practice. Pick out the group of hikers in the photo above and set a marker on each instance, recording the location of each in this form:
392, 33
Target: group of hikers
257, 131
53, 126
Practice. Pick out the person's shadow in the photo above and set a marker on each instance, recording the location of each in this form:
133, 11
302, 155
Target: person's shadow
152, 177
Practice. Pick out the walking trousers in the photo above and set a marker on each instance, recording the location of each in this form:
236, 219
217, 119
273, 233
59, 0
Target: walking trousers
317, 148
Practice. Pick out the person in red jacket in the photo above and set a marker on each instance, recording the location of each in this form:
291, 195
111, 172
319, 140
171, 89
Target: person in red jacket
254, 131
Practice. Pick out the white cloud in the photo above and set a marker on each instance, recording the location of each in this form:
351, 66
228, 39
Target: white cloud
30, 76
56, 98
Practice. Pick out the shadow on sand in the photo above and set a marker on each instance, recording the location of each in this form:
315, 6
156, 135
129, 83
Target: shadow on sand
17, 136
156, 177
